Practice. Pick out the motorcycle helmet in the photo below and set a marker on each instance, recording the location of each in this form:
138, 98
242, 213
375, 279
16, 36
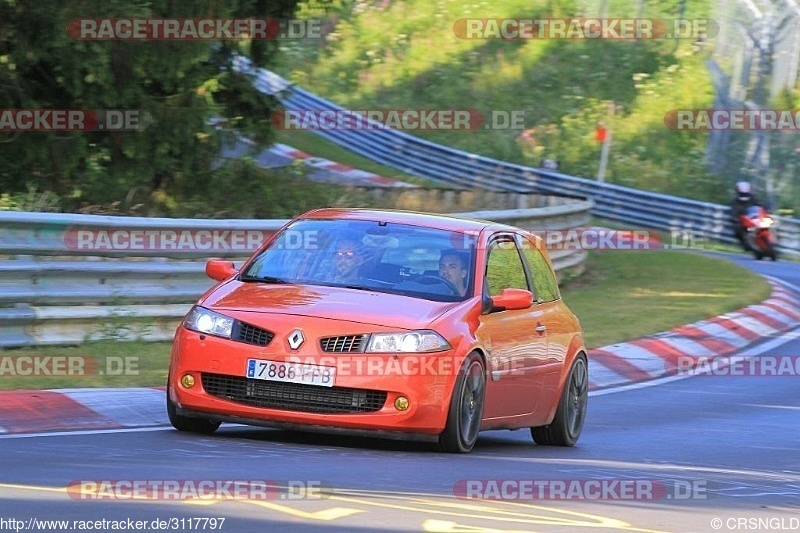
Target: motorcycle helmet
744, 191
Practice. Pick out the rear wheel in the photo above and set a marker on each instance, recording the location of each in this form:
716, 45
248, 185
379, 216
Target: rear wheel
184, 423
755, 247
566, 427
466, 408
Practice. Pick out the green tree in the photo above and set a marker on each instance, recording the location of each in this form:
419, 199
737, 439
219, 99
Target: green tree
179, 84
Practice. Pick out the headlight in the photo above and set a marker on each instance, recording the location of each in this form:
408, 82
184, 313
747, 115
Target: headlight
766, 222
205, 321
408, 342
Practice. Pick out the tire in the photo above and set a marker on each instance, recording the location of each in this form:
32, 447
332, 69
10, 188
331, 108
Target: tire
567, 425
466, 407
191, 425
769, 251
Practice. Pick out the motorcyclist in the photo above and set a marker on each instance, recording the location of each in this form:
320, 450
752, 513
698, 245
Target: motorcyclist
743, 199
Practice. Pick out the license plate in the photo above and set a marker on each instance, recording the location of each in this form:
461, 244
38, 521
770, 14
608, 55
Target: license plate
291, 372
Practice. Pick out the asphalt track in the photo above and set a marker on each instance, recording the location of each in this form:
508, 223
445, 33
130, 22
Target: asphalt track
734, 440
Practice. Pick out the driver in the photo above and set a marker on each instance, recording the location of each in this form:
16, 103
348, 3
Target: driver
453, 268
743, 199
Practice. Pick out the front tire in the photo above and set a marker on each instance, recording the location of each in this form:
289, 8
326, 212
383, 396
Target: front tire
466, 407
192, 425
769, 250
567, 425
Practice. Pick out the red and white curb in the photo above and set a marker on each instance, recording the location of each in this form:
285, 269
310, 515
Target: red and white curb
667, 353
341, 173
85, 409
646, 359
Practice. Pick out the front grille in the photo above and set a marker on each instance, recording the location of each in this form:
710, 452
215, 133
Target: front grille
344, 343
252, 334
293, 396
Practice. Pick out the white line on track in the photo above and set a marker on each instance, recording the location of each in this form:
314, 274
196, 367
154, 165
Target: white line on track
84, 432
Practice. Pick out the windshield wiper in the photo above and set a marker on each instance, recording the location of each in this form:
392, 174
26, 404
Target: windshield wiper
263, 279
360, 288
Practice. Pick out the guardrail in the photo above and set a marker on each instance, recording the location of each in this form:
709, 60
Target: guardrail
441, 163
127, 278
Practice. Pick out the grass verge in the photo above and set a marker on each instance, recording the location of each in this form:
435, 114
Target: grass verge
629, 294
147, 364
622, 296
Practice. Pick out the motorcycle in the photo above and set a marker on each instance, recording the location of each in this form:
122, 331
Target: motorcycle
759, 237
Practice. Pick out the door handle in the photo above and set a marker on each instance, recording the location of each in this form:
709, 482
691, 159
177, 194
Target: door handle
541, 328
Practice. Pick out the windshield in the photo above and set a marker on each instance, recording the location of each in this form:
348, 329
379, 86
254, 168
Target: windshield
753, 211
393, 258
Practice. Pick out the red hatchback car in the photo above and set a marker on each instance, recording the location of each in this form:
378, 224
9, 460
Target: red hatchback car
385, 323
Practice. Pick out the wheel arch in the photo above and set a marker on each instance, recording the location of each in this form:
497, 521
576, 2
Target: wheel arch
576, 348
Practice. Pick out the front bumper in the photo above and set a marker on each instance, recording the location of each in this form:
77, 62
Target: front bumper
374, 433
426, 381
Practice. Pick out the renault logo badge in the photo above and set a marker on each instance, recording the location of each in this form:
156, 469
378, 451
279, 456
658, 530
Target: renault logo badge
296, 339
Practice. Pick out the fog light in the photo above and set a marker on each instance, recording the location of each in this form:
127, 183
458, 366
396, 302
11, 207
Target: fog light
401, 403
187, 381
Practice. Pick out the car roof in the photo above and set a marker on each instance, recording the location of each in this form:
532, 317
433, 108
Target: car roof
430, 220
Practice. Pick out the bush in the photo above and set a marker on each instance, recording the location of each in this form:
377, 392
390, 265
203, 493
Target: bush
240, 189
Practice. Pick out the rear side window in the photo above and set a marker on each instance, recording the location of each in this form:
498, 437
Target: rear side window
545, 286
504, 269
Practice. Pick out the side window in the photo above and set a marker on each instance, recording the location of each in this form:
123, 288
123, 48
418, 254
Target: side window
545, 286
504, 268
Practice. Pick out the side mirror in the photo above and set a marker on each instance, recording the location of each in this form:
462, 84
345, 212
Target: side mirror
220, 270
510, 299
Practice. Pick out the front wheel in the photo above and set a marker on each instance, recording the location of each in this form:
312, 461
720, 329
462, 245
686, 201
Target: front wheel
466, 408
769, 250
566, 427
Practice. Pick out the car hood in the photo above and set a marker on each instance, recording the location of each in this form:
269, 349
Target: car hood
352, 305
